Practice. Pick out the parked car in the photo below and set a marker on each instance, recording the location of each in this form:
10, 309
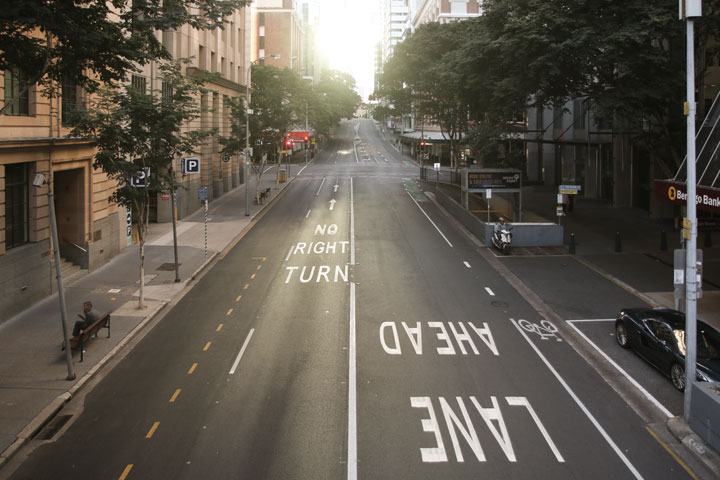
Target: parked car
658, 335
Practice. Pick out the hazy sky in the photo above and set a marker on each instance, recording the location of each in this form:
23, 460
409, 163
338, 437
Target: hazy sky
349, 30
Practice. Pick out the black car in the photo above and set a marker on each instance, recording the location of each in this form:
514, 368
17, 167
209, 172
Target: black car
658, 335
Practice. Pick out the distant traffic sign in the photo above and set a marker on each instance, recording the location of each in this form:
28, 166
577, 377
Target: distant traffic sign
570, 189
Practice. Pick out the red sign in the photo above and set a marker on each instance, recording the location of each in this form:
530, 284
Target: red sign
298, 136
165, 195
676, 192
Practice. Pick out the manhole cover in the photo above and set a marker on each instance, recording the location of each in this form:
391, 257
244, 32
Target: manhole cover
167, 267
499, 304
53, 427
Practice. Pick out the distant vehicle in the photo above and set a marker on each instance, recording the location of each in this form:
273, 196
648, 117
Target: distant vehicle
658, 335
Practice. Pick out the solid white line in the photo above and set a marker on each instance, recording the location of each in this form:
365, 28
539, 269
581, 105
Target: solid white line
308, 213
623, 372
587, 413
433, 223
242, 350
321, 184
289, 252
301, 170
352, 367
490, 292
467, 264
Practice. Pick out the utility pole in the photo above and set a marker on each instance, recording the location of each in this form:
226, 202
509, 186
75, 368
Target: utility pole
688, 10
306, 131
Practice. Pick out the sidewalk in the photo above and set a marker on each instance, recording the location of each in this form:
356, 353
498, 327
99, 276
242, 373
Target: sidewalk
33, 369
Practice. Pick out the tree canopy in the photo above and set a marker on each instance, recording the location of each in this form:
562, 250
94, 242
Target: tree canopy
95, 42
624, 57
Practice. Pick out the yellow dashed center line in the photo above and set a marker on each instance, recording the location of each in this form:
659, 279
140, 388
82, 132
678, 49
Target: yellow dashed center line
252, 276
247, 285
175, 395
219, 327
126, 472
207, 346
192, 369
229, 312
239, 297
112, 299
259, 267
152, 430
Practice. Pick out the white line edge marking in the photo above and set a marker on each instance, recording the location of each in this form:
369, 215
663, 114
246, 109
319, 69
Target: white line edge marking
242, 350
352, 368
584, 320
301, 170
587, 413
308, 214
620, 369
289, 253
430, 219
467, 264
490, 292
321, 185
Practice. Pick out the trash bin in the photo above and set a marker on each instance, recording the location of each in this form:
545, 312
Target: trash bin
283, 175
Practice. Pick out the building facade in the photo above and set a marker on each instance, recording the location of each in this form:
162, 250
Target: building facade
34, 139
278, 29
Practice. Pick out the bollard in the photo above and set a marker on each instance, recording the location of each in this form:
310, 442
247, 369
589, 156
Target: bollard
708, 239
663, 241
572, 244
618, 242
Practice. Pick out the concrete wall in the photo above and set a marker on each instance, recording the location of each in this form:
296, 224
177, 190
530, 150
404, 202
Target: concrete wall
27, 277
104, 247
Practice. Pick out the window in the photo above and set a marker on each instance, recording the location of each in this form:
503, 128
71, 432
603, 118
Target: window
579, 113
71, 102
19, 101
16, 204
167, 91
139, 83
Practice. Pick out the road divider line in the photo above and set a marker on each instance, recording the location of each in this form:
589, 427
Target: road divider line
352, 359
430, 219
125, 472
192, 369
239, 297
319, 189
152, 430
219, 327
467, 264
175, 395
580, 404
490, 292
229, 312
207, 346
642, 390
242, 351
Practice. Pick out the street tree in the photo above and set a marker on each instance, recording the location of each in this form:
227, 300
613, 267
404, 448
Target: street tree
138, 134
93, 42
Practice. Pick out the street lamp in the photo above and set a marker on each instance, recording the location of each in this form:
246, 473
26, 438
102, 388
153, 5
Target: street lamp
247, 129
39, 181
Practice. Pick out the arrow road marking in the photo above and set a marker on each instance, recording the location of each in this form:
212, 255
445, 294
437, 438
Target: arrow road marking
332, 204
335, 188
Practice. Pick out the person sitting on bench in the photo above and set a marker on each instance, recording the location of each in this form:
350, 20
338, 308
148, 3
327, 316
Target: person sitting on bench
91, 316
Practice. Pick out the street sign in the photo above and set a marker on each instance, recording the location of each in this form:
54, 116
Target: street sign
570, 189
488, 193
436, 167
498, 178
140, 180
202, 194
679, 272
560, 211
190, 165
165, 195
226, 158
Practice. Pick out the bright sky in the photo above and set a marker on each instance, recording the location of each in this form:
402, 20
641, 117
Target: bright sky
349, 31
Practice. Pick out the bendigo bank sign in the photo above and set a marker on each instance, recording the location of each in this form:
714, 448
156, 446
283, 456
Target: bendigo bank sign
676, 192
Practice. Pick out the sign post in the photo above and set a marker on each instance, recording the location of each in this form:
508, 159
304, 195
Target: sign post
203, 196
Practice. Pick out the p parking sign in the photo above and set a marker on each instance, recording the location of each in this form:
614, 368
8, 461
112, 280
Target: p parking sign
190, 165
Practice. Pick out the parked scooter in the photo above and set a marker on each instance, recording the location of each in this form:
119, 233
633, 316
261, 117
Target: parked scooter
502, 237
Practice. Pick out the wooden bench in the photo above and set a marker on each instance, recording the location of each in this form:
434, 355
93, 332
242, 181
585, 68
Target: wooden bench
79, 342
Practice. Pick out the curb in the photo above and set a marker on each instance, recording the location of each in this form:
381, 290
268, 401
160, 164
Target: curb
694, 444
47, 413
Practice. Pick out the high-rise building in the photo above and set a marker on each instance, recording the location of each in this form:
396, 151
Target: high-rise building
278, 29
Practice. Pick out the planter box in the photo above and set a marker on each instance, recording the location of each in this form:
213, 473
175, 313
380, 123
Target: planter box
705, 412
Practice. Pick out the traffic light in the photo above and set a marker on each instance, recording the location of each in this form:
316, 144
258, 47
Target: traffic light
422, 143
288, 143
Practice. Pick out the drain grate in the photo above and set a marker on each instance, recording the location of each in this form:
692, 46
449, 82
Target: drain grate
167, 267
53, 427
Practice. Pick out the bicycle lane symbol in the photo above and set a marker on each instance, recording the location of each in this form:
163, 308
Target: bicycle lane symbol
545, 329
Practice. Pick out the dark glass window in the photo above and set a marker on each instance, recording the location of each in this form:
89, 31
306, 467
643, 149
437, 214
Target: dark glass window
19, 102
16, 204
139, 83
167, 91
71, 101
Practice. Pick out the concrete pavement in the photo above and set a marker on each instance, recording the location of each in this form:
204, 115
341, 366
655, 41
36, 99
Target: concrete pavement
33, 369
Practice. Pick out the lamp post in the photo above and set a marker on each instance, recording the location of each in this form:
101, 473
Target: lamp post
39, 182
247, 129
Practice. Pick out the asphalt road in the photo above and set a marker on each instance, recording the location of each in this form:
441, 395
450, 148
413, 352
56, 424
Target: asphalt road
356, 332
